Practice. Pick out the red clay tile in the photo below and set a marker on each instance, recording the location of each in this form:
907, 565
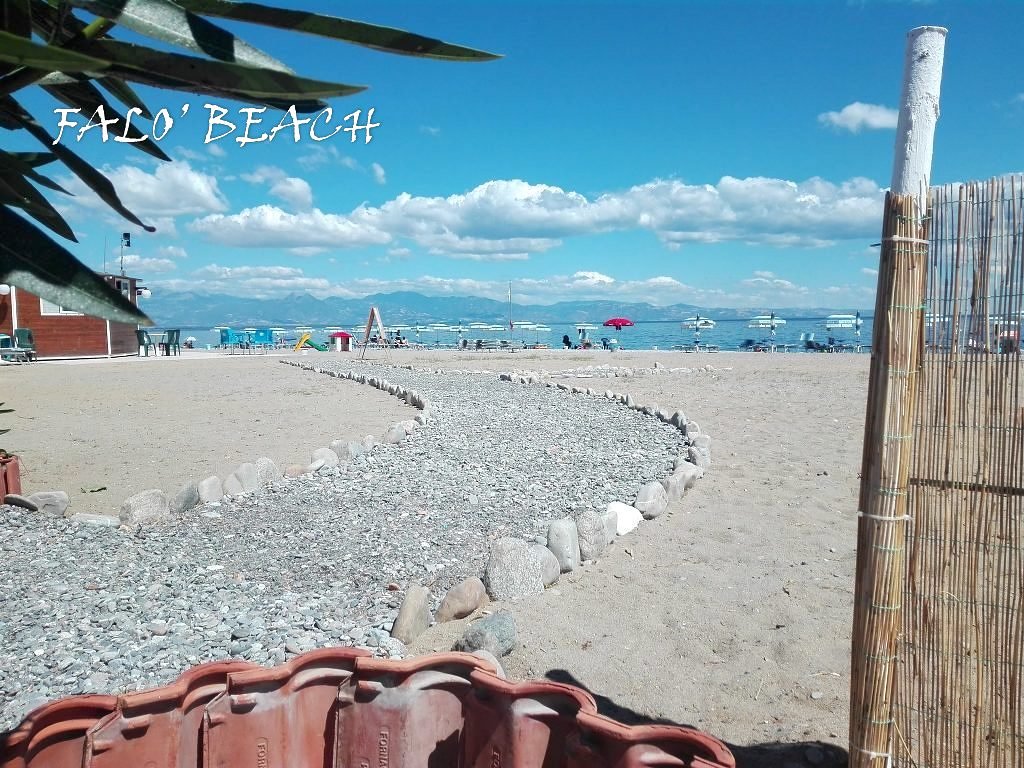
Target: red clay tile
163, 726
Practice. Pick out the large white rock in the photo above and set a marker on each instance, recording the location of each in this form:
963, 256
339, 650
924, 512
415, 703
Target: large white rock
592, 535
549, 567
267, 471
627, 517
414, 615
51, 502
248, 476
651, 500
326, 455
145, 508
211, 489
512, 571
564, 543
186, 498
690, 474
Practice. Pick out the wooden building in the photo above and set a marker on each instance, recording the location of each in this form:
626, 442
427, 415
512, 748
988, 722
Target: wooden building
61, 333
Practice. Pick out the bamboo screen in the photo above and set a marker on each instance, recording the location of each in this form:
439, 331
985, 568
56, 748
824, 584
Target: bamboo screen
960, 652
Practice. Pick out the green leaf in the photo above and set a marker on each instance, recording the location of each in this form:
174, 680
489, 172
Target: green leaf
167, 21
25, 163
92, 178
34, 159
215, 78
25, 53
16, 17
31, 260
87, 97
16, 190
385, 39
123, 92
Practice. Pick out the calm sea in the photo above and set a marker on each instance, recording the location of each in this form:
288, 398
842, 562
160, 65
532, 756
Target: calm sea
727, 334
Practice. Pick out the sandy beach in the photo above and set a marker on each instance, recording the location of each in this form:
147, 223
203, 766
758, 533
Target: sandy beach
731, 613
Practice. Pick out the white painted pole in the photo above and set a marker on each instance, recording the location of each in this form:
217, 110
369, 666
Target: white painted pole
919, 111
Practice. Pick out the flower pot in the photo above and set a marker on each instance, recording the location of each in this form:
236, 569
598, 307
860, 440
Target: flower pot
10, 475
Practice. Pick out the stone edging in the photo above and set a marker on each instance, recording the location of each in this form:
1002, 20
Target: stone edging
572, 541
516, 568
153, 506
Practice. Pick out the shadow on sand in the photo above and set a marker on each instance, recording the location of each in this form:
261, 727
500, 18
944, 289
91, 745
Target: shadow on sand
770, 755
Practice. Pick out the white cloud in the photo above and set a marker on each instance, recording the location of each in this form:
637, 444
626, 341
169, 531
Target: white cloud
216, 150
858, 116
512, 218
291, 189
592, 278
137, 263
378, 173
172, 189
261, 281
430, 130
172, 252
319, 156
777, 284
869, 271
269, 226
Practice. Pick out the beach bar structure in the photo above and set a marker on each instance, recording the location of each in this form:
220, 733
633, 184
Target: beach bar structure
62, 333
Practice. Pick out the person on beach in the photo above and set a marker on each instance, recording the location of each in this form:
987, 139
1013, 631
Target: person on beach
566, 341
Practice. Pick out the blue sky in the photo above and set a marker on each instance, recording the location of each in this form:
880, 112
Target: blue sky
714, 153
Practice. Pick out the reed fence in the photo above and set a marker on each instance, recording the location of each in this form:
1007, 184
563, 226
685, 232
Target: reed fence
938, 654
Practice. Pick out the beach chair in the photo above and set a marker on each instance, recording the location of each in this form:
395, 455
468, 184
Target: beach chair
262, 339
230, 340
145, 343
172, 345
24, 341
13, 349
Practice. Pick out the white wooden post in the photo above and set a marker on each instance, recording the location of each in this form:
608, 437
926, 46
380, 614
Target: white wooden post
919, 111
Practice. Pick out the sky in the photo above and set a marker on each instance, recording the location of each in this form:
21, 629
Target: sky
723, 154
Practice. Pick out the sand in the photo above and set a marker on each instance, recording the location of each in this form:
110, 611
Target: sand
133, 424
731, 613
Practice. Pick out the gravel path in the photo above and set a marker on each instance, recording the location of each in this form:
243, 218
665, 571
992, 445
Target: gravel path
309, 561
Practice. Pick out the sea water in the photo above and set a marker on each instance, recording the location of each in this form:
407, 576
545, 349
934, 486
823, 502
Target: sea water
653, 334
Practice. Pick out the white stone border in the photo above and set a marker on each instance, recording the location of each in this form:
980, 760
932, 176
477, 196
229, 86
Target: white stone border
153, 506
570, 541
573, 541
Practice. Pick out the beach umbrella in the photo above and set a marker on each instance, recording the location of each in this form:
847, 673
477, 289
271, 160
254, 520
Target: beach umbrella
539, 329
582, 328
618, 323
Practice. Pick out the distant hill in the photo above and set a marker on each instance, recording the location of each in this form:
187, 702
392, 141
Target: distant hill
406, 307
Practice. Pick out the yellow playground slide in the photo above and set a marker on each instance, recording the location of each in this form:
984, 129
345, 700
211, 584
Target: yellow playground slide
305, 340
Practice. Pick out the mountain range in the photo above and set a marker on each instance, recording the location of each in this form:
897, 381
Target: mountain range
185, 309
